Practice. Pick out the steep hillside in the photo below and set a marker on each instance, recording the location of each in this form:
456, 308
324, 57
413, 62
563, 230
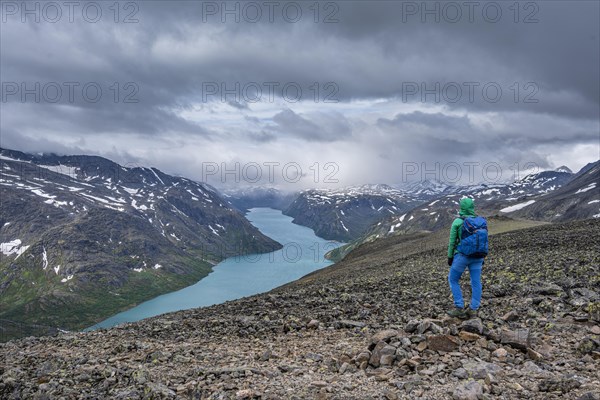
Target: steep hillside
370, 327
579, 199
345, 214
82, 237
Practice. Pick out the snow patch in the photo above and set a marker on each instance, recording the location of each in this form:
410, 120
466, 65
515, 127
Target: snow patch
517, 206
344, 226
157, 266
130, 190
42, 194
44, 259
56, 203
68, 278
62, 169
13, 247
588, 187
140, 207
157, 177
106, 203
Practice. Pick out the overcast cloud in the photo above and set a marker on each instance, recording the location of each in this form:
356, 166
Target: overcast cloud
354, 100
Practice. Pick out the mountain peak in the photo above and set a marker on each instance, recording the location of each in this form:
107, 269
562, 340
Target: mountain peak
564, 168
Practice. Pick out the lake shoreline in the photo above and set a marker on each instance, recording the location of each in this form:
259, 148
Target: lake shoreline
242, 275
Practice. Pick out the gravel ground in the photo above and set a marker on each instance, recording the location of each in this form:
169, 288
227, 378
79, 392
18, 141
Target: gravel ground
370, 327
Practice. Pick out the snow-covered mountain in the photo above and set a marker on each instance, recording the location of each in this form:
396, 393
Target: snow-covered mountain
578, 199
74, 228
489, 198
427, 189
557, 195
344, 214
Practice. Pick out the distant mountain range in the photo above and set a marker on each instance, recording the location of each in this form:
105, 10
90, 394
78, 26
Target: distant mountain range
378, 209
345, 214
550, 196
82, 237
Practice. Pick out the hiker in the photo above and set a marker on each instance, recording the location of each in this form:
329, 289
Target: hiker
467, 248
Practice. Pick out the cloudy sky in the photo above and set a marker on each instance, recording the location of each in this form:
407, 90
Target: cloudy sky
343, 92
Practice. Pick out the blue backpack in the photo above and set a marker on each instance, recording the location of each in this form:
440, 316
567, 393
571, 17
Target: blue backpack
474, 237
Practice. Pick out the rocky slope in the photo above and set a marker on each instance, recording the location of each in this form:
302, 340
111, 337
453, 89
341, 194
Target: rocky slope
82, 237
370, 327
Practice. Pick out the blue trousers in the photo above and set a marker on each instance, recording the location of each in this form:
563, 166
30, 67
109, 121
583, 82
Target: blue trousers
459, 265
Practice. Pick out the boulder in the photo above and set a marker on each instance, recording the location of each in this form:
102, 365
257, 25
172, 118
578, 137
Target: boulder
442, 343
473, 325
382, 349
470, 390
384, 336
411, 326
479, 370
518, 338
468, 336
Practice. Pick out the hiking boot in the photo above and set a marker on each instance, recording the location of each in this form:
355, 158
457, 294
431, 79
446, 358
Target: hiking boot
473, 313
458, 313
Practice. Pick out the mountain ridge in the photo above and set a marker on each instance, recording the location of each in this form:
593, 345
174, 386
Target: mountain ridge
94, 227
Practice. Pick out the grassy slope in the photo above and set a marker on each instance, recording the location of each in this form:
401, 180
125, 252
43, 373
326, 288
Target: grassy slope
39, 303
495, 224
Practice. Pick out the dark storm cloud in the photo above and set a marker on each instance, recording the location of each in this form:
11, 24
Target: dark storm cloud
436, 120
370, 52
319, 127
440, 138
377, 50
238, 105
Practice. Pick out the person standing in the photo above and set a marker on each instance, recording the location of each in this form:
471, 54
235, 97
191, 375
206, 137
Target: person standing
467, 248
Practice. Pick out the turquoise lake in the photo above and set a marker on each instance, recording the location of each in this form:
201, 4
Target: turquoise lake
237, 277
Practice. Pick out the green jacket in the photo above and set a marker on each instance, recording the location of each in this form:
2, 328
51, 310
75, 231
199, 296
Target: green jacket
467, 209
